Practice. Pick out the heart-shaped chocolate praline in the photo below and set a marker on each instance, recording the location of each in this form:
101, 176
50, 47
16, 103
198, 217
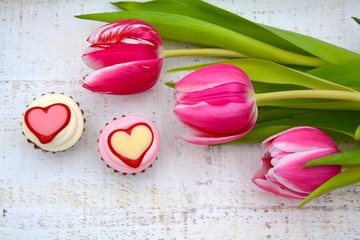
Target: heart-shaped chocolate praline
130, 145
46, 122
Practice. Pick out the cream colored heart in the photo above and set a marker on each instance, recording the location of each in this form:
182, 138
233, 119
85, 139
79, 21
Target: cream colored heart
134, 145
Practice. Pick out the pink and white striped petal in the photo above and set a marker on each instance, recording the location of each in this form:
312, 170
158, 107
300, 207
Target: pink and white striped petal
125, 78
260, 180
212, 76
300, 139
205, 117
126, 31
99, 56
289, 172
218, 95
201, 138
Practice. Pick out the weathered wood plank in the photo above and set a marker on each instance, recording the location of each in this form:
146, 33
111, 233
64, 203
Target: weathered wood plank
191, 192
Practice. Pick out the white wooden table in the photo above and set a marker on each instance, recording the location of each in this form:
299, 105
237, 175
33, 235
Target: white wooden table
192, 192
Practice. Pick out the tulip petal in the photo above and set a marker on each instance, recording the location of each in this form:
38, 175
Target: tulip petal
266, 163
219, 95
260, 180
226, 119
285, 155
200, 138
273, 151
99, 56
300, 139
212, 76
217, 102
275, 154
126, 31
288, 170
125, 78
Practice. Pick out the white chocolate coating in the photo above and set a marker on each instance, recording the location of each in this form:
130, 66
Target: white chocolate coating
132, 146
69, 135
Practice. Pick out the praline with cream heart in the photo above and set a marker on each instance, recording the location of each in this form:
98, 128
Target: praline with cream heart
53, 122
129, 144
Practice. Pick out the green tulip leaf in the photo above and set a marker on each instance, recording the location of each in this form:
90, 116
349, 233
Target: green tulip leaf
321, 49
345, 73
209, 13
340, 125
357, 133
350, 157
356, 20
168, 25
259, 134
345, 122
348, 177
170, 84
261, 87
323, 104
290, 41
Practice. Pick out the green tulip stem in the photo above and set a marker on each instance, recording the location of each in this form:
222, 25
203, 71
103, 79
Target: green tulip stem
214, 52
309, 94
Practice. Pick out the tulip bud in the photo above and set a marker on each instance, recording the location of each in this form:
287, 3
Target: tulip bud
217, 102
282, 172
126, 56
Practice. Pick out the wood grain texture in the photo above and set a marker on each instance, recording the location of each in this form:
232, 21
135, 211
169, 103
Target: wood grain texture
191, 192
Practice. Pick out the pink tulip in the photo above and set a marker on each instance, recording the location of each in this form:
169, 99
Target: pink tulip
285, 153
217, 102
126, 56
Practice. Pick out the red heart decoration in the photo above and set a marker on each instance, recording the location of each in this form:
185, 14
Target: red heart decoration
134, 163
45, 123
